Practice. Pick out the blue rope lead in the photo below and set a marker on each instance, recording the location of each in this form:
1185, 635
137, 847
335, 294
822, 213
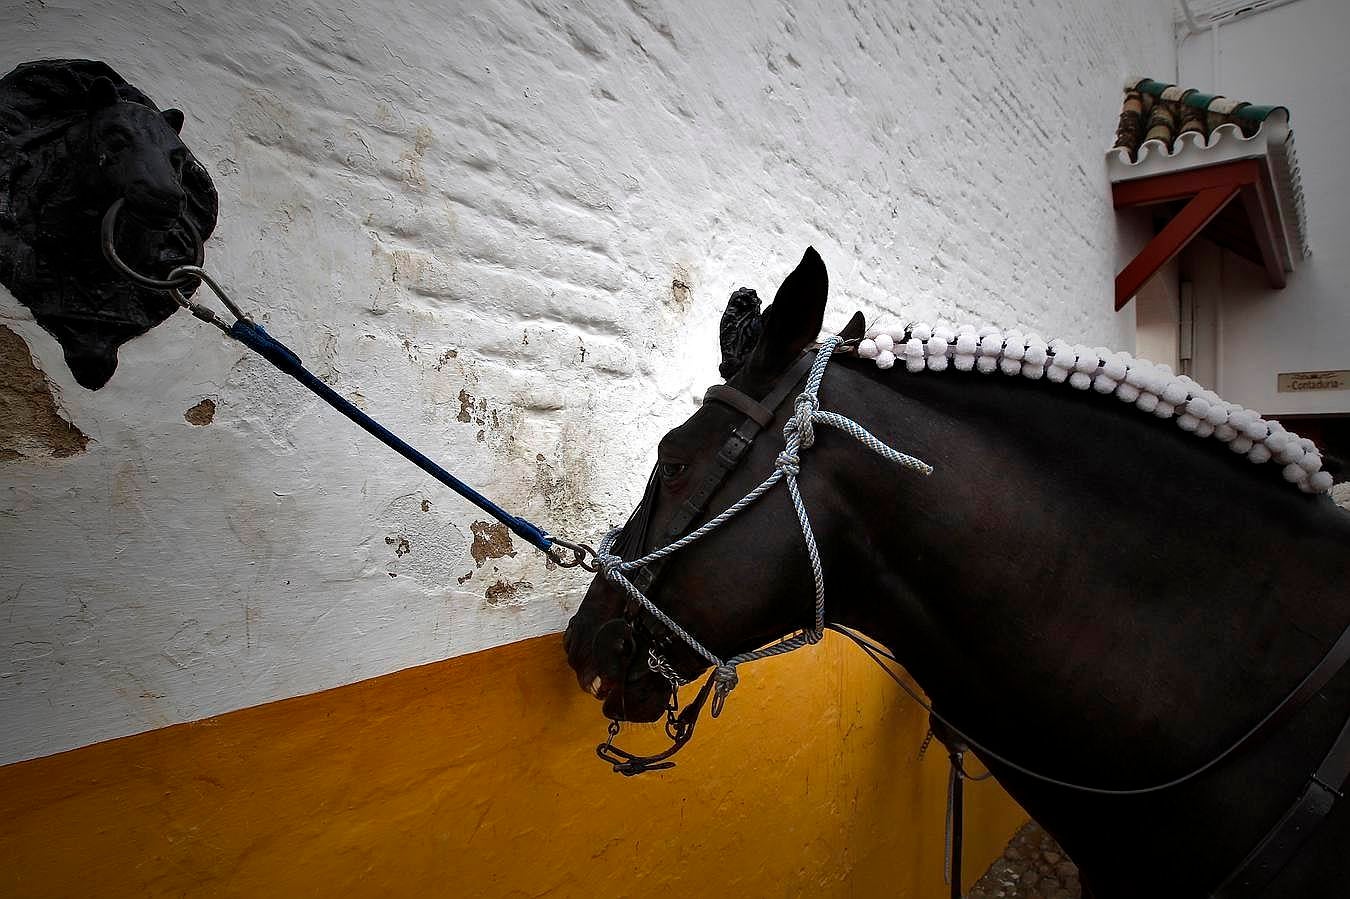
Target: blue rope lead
255, 338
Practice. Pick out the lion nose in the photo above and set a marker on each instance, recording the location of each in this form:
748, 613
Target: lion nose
149, 195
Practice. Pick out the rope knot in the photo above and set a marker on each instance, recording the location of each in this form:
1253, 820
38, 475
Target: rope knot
788, 463
724, 681
801, 423
609, 564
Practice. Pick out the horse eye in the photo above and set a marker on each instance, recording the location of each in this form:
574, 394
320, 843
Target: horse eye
669, 471
179, 158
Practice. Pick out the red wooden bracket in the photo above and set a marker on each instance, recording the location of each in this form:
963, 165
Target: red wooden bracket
1210, 189
1172, 239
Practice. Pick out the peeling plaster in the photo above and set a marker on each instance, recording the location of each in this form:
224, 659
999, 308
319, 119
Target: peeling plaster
201, 414
31, 424
491, 540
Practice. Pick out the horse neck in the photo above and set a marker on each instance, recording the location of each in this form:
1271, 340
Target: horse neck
1076, 578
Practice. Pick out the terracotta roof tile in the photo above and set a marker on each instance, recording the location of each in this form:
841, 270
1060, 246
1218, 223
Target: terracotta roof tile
1163, 112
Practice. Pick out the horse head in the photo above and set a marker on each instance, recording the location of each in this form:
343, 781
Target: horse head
75, 137
744, 584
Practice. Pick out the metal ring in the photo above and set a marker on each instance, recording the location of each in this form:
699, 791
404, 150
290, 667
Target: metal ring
579, 553
191, 272
109, 232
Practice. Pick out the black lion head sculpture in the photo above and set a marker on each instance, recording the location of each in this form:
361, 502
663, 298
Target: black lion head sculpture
74, 138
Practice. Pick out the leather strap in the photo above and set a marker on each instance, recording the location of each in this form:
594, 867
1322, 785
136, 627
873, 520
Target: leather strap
758, 415
1319, 677
1324, 787
730, 396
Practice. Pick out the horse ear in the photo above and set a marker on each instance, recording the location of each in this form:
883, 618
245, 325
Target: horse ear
740, 330
798, 311
175, 119
102, 92
856, 328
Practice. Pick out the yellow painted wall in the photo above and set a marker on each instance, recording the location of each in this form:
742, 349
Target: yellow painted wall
476, 777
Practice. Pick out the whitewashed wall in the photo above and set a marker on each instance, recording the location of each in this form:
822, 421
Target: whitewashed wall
507, 230
1293, 55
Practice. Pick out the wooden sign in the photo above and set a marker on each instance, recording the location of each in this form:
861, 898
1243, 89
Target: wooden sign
1299, 381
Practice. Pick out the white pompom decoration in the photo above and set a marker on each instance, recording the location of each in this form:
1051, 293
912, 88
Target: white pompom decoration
1150, 387
1174, 392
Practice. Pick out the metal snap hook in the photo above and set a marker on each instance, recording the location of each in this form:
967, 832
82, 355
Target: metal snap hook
583, 556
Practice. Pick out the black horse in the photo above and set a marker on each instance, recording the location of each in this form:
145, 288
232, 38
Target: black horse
1084, 589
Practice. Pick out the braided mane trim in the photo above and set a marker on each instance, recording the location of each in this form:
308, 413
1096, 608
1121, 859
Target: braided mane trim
1149, 386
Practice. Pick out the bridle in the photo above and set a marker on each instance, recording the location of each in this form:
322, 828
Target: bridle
642, 614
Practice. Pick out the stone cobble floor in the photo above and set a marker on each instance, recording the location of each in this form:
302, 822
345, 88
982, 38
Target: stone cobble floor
1031, 867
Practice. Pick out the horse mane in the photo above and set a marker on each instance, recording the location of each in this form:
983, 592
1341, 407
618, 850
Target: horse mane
1150, 387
